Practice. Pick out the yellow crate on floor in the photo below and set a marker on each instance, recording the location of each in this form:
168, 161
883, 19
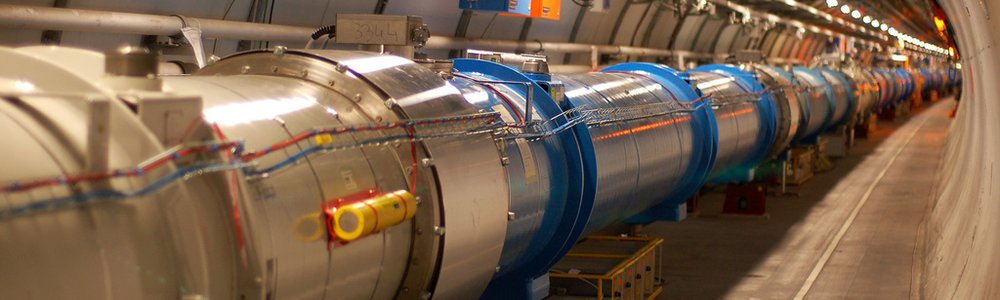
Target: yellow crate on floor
800, 166
609, 267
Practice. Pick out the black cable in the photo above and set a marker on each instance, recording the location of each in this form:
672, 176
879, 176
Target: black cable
228, 8
328, 30
380, 6
329, 37
224, 15
567, 58
270, 15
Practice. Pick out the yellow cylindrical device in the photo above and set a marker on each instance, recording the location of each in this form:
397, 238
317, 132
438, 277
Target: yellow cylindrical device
362, 218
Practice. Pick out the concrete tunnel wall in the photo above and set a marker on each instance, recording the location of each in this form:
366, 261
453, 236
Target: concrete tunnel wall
963, 256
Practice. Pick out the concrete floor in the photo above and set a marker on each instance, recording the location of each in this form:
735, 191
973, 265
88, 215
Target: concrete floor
852, 233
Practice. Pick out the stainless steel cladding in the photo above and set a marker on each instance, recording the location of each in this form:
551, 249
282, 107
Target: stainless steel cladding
897, 85
843, 96
641, 161
887, 88
263, 96
789, 106
537, 169
821, 105
866, 90
350, 175
77, 217
745, 115
329, 128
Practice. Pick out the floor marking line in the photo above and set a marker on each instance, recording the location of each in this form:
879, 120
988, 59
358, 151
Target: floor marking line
807, 285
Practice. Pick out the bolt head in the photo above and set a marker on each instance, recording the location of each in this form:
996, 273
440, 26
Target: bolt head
280, 50
390, 103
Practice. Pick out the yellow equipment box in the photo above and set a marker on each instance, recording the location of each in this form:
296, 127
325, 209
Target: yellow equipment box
609, 267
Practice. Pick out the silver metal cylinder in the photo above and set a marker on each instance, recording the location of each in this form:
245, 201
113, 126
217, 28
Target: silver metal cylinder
843, 97
639, 162
788, 104
79, 237
742, 130
457, 235
813, 88
865, 88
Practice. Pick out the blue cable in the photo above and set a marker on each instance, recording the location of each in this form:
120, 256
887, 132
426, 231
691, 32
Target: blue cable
108, 195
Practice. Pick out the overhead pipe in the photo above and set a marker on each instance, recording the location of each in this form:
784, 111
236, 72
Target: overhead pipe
438, 42
49, 18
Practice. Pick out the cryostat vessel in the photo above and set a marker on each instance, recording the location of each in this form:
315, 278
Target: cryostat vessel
344, 175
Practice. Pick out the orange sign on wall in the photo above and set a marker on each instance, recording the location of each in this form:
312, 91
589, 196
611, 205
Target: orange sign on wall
545, 9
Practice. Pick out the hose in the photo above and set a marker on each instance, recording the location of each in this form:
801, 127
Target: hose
329, 30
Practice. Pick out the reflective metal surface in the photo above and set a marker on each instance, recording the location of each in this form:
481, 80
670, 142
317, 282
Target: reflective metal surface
640, 161
843, 96
814, 89
866, 90
167, 245
492, 204
789, 106
887, 88
469, 170
267, 109
744, 116
536, 169
420, 93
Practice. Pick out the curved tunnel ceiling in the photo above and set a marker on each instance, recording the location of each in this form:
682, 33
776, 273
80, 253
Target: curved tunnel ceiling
663, 24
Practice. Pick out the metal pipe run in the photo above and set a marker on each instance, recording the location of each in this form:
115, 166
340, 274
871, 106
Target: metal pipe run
49, 18
438, 42
36, 17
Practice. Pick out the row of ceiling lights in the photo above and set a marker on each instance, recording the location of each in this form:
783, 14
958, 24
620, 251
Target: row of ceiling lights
846, 9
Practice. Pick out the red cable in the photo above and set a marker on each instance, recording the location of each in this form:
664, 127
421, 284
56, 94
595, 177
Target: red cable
503, 97
163, 160
413, 155
233, 190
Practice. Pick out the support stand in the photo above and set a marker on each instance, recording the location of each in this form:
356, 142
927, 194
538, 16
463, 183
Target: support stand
693, 208
821, 162
839, 142
864, 128
746, 199
888, 115
785, 170
800, 165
